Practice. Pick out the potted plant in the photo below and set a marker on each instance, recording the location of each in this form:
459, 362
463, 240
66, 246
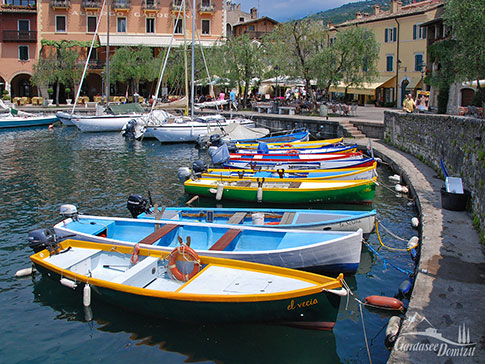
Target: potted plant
50, 91
5, 95
68, 93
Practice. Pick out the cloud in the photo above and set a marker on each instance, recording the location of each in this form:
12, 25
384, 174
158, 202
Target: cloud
284, 10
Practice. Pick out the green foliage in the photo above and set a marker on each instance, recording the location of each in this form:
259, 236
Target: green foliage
50, 90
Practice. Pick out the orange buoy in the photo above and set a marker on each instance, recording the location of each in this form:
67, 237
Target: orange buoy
134, 254
272, 223
389, 303
189, 255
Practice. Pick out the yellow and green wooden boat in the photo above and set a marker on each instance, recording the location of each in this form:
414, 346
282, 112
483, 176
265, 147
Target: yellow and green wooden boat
185, 287
274, 190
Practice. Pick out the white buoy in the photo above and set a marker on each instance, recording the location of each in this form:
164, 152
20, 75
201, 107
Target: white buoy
404, 189
414, 222
68, 283
259, 195
398, 188
395, 177
413, 242
392, 330
220, 190
87, 295
24, 272
258, 218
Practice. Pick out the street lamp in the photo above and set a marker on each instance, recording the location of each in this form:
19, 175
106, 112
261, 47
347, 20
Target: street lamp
275, 105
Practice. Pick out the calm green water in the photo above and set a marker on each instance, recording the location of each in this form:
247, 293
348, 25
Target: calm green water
43, 322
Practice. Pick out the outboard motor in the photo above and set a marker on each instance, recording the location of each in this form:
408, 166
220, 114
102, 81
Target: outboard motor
69, 211
41, 239
129, 129
231, 147
216, 140
137, 204
199, 167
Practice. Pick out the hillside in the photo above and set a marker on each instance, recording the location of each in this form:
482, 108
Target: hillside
348, 11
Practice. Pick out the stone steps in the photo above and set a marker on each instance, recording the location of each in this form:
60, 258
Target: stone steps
351, 130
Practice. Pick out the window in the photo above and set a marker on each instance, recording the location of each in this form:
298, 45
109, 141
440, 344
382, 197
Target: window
241, 20
60, 23
121, 25
418, 62
23, 53
419, 32
251, 28
92, 22
23, 25
332, 40
365, 65
390, 35
206, 26
150, 25
389, 63
178, 27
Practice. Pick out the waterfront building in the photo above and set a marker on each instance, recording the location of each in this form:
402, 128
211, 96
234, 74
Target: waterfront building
240, 22
401, 34
24, 23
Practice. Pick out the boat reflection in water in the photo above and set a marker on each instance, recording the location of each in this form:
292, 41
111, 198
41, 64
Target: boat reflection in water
229, 343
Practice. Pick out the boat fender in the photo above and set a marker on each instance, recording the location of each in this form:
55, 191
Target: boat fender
87, 295
401, 189
186, 252
220, 190
396, 178
405, 288
24, 272
392, 330
385, 302
134, 255
260, 194
414, 222
411, 247
68, 283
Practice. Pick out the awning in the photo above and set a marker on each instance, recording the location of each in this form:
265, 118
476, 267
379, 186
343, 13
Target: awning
367, 88
131, 40
126, 108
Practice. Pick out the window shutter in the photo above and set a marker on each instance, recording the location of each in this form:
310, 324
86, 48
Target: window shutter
394, 34
424, 32
415, 28
386, 35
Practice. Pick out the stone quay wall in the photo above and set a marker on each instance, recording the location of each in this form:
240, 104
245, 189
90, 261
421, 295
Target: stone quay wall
458, 141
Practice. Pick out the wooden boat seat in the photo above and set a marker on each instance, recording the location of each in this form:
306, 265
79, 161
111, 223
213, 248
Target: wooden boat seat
237, 218
244, 184
140, 274
225, 239
158, 234
287, 218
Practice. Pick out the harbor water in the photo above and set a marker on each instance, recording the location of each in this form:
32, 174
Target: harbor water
44, 322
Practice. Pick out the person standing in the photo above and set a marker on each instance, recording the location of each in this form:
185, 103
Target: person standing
408, 104
233, 102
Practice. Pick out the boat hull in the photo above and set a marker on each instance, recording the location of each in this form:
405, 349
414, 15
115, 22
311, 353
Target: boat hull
90, 124
21, 122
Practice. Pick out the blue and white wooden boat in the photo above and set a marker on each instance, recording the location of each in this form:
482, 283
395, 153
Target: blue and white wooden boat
332, 251
13, 118
324, 220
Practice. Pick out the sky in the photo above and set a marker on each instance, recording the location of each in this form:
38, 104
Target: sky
284, 10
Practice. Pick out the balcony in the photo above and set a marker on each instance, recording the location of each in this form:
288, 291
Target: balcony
176, 6
60, 4
206, 7
19, 36
19, 6
91, 4
121, 5
96, 64
150, 5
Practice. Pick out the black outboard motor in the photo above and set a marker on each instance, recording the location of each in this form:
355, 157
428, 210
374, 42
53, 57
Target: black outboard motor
137, 204
129, 130
216, 140
41, 239
199, 167
232, 147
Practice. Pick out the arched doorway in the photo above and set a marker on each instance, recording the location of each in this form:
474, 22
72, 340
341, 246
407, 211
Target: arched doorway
3, 85
404, 85
228, 30
467, 95
21, 86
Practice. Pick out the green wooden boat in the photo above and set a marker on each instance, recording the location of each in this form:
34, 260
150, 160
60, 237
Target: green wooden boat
216, 290
284, 192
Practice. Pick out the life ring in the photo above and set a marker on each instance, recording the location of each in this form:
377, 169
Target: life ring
292, 152
185, 251
286, 146
134, 256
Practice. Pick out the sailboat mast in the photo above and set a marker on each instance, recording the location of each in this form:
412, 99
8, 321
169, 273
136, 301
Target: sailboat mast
193, 63
107, 54
186, 112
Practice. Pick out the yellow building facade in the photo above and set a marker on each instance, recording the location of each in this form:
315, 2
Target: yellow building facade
401, 36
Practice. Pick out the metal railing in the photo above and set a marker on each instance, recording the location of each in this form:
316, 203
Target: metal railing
19, 36
206, 7
121, 4
60, 3
91, 4
21, 3
150, 5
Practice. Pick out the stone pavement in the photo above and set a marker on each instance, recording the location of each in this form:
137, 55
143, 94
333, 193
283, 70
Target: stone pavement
444, 311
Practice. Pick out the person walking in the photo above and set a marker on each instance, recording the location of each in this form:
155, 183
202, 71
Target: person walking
232, 100
408, 104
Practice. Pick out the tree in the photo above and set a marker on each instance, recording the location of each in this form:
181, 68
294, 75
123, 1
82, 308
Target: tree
60, 62
467, 22
239, 60
351, 59
293, 47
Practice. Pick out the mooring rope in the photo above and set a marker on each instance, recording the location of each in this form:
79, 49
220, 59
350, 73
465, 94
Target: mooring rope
405, 271
391, 248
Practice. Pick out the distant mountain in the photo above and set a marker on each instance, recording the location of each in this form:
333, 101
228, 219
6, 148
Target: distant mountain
348, 11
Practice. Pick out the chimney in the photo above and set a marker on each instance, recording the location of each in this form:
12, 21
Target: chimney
254, 13
395, 5
377, 9
366, 15
358, 15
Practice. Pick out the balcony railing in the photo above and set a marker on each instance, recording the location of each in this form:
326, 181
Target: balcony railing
121, 4
91, 4
60, 4
24, 6
150, 5
206, 7
176, 5
19, 36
